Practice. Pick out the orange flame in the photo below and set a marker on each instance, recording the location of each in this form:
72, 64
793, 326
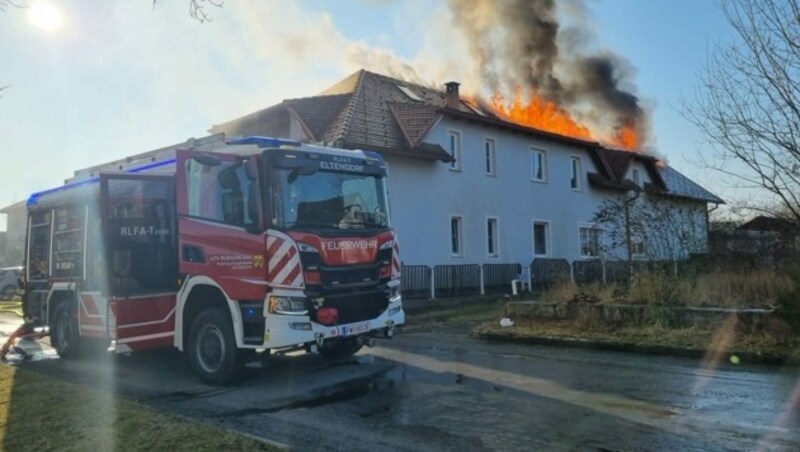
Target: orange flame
545, 115
626, 138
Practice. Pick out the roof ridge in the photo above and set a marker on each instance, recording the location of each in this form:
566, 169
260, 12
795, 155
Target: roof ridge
316, 97
404, 82
414, 143
400, 123
350, 106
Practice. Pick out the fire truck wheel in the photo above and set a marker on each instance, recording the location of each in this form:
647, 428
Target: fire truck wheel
212, 348
340, 348
64, 331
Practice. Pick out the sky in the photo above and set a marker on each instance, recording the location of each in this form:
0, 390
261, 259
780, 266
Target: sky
90, 82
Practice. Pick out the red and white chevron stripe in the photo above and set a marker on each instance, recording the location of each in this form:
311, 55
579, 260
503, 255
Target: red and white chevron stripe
283, 262
395, 259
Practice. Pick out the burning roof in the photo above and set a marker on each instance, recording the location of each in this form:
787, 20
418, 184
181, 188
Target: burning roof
373, 111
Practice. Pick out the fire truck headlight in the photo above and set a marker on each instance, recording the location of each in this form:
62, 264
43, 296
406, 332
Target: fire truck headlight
387, 245
287, 305
394, 294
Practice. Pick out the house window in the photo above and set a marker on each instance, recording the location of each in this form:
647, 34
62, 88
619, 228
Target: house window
636, 176
456, 237
590, 242
540, 238
492, 244
575, 173
454, 143
490, 159
538, 165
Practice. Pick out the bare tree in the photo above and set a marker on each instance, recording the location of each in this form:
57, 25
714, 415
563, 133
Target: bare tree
651, 228
5, 4
748, 106
197, 8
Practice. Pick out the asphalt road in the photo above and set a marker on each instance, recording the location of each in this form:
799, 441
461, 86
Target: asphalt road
425, 391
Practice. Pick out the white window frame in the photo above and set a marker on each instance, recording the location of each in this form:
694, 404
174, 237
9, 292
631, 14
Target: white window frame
635, 176
460, 219
543, 153
455, 151
576, 170
547, 240
594, 227
490, 159
496, 237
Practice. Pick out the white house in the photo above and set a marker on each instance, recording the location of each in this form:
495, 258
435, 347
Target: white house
467, 187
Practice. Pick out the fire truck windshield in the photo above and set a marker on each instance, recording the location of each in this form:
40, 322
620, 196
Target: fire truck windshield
328, 200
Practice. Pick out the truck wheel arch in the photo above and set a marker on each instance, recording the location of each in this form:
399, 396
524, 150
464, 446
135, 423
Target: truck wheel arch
196, 294
61, 293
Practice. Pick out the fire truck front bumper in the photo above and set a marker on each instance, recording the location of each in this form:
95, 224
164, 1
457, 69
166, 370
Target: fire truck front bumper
293, 330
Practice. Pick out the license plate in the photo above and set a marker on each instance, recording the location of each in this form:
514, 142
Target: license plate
356, 328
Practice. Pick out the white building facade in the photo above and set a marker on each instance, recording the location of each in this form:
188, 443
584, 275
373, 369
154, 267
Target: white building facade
467, 187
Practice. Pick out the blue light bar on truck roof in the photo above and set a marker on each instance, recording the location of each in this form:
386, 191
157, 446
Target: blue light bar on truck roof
264, 142
34, 198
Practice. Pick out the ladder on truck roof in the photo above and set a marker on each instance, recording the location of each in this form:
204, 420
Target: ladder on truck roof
150, 159
141, 161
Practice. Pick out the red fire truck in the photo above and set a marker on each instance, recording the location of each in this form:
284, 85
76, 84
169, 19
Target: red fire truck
219, 248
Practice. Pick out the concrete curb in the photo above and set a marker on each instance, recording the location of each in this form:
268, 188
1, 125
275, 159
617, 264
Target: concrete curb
662, 350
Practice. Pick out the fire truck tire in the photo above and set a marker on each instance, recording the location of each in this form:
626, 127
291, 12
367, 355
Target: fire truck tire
340, 349
212, 348
64, 333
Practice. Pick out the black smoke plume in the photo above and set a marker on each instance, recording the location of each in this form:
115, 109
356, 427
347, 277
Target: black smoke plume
521, 43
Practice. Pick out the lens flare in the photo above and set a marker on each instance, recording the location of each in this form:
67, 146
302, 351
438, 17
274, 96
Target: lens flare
45, 16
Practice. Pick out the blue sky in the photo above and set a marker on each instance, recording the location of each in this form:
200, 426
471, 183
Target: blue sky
120, 78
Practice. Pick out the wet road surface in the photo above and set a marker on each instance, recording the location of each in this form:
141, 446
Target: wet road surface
426, 391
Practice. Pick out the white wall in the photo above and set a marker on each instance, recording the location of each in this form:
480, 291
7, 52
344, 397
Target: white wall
425, 194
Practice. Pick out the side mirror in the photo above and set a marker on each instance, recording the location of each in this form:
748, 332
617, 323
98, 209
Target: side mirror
305, 170
206, 160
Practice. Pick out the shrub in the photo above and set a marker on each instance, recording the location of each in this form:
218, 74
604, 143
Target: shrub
758, 288
656, 287
789, 301
566, 292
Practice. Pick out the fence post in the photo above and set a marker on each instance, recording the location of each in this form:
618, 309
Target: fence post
483, 288
572, 272
603, 264
433, 282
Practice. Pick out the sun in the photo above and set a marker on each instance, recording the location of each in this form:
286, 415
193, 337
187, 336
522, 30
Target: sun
44, 15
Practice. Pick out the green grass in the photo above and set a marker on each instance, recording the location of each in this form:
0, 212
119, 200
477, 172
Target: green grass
454, 315
483, 315
703, 337
38, 412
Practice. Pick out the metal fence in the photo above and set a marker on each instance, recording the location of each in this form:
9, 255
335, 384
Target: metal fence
498, 277
549, 272
588, 271
422, 281
415, 281
456, 280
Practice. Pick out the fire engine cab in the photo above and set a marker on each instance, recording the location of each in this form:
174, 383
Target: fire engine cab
219, 248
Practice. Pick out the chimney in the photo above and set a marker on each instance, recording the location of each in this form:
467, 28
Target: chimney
451, 95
